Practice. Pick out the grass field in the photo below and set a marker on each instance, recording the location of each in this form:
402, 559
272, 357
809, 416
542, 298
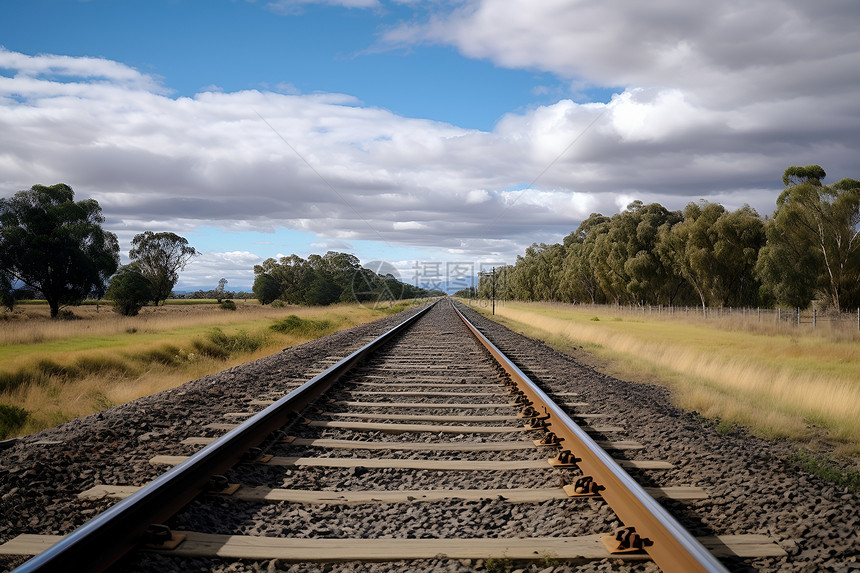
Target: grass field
52, 371
778, 382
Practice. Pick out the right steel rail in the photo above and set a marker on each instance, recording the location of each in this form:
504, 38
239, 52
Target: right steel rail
649, 526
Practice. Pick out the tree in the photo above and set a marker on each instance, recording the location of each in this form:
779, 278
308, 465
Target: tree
219, 290
322, 280
129, 290
796, 175
56, 245
322, 290
813, 242
160, 257
7, 295
716, 251
266, 288
578, 281
740, 237
623, 258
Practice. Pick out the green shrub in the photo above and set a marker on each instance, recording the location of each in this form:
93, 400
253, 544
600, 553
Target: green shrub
302, 327
206, 347
46, 368
100, 401
11, 380
166, 354
129, 291
217, 344
38, 373
228, 305
289, 324
100, 365
11, 418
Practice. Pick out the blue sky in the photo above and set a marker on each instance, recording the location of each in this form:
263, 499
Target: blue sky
419, 133
193, 46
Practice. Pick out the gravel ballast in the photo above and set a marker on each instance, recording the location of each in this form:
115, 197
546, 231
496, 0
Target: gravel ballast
752, 488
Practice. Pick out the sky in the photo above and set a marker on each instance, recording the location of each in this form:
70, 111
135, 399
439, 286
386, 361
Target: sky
440, 137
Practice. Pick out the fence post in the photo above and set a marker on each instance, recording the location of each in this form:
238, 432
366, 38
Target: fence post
798, 316
758, 309
814, 317
779, 315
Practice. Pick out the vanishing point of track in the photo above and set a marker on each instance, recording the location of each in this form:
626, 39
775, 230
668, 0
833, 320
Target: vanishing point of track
438, 419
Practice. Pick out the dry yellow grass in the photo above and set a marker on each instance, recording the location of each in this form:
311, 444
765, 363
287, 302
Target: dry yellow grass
783, 383
30, 324
103, 359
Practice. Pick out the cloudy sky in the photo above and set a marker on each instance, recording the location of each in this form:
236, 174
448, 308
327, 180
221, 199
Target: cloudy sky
422, 133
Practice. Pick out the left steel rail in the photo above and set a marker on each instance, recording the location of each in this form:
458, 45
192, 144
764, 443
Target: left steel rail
105, 539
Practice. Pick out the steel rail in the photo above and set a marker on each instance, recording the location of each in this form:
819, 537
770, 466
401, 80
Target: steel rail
105, 539
671, 546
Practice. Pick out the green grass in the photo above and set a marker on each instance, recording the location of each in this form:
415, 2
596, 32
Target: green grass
499, 565
59, 370
827, 469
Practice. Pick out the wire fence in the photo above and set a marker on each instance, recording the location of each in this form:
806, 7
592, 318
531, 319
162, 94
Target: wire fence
764, 318
802, 318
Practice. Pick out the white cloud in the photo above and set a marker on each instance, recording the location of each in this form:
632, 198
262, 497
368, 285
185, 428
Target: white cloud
773, 80
205, 270
409, 226
715, 100
477, 196
340, 246
295, 6
60, 66
721, 50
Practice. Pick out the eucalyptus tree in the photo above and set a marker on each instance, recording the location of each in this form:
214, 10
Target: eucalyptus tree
56, 245
266, 288
7, 294
220, 290
740, 236
716, 251
159, 257
536, 274
813, 247
625, 260
499, 283
578, 280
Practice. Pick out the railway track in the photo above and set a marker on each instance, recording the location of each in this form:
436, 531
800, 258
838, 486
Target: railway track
429, 445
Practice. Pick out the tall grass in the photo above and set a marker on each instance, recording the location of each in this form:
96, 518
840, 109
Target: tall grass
11, 418
54, 371
295, 325
799, 385
30, 325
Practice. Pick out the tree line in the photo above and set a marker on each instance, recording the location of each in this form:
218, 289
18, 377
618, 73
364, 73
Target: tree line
55, 247
705, 255
326, 279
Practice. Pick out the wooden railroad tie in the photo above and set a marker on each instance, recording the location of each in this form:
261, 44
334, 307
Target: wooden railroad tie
435, 465
328, 549
508, 495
